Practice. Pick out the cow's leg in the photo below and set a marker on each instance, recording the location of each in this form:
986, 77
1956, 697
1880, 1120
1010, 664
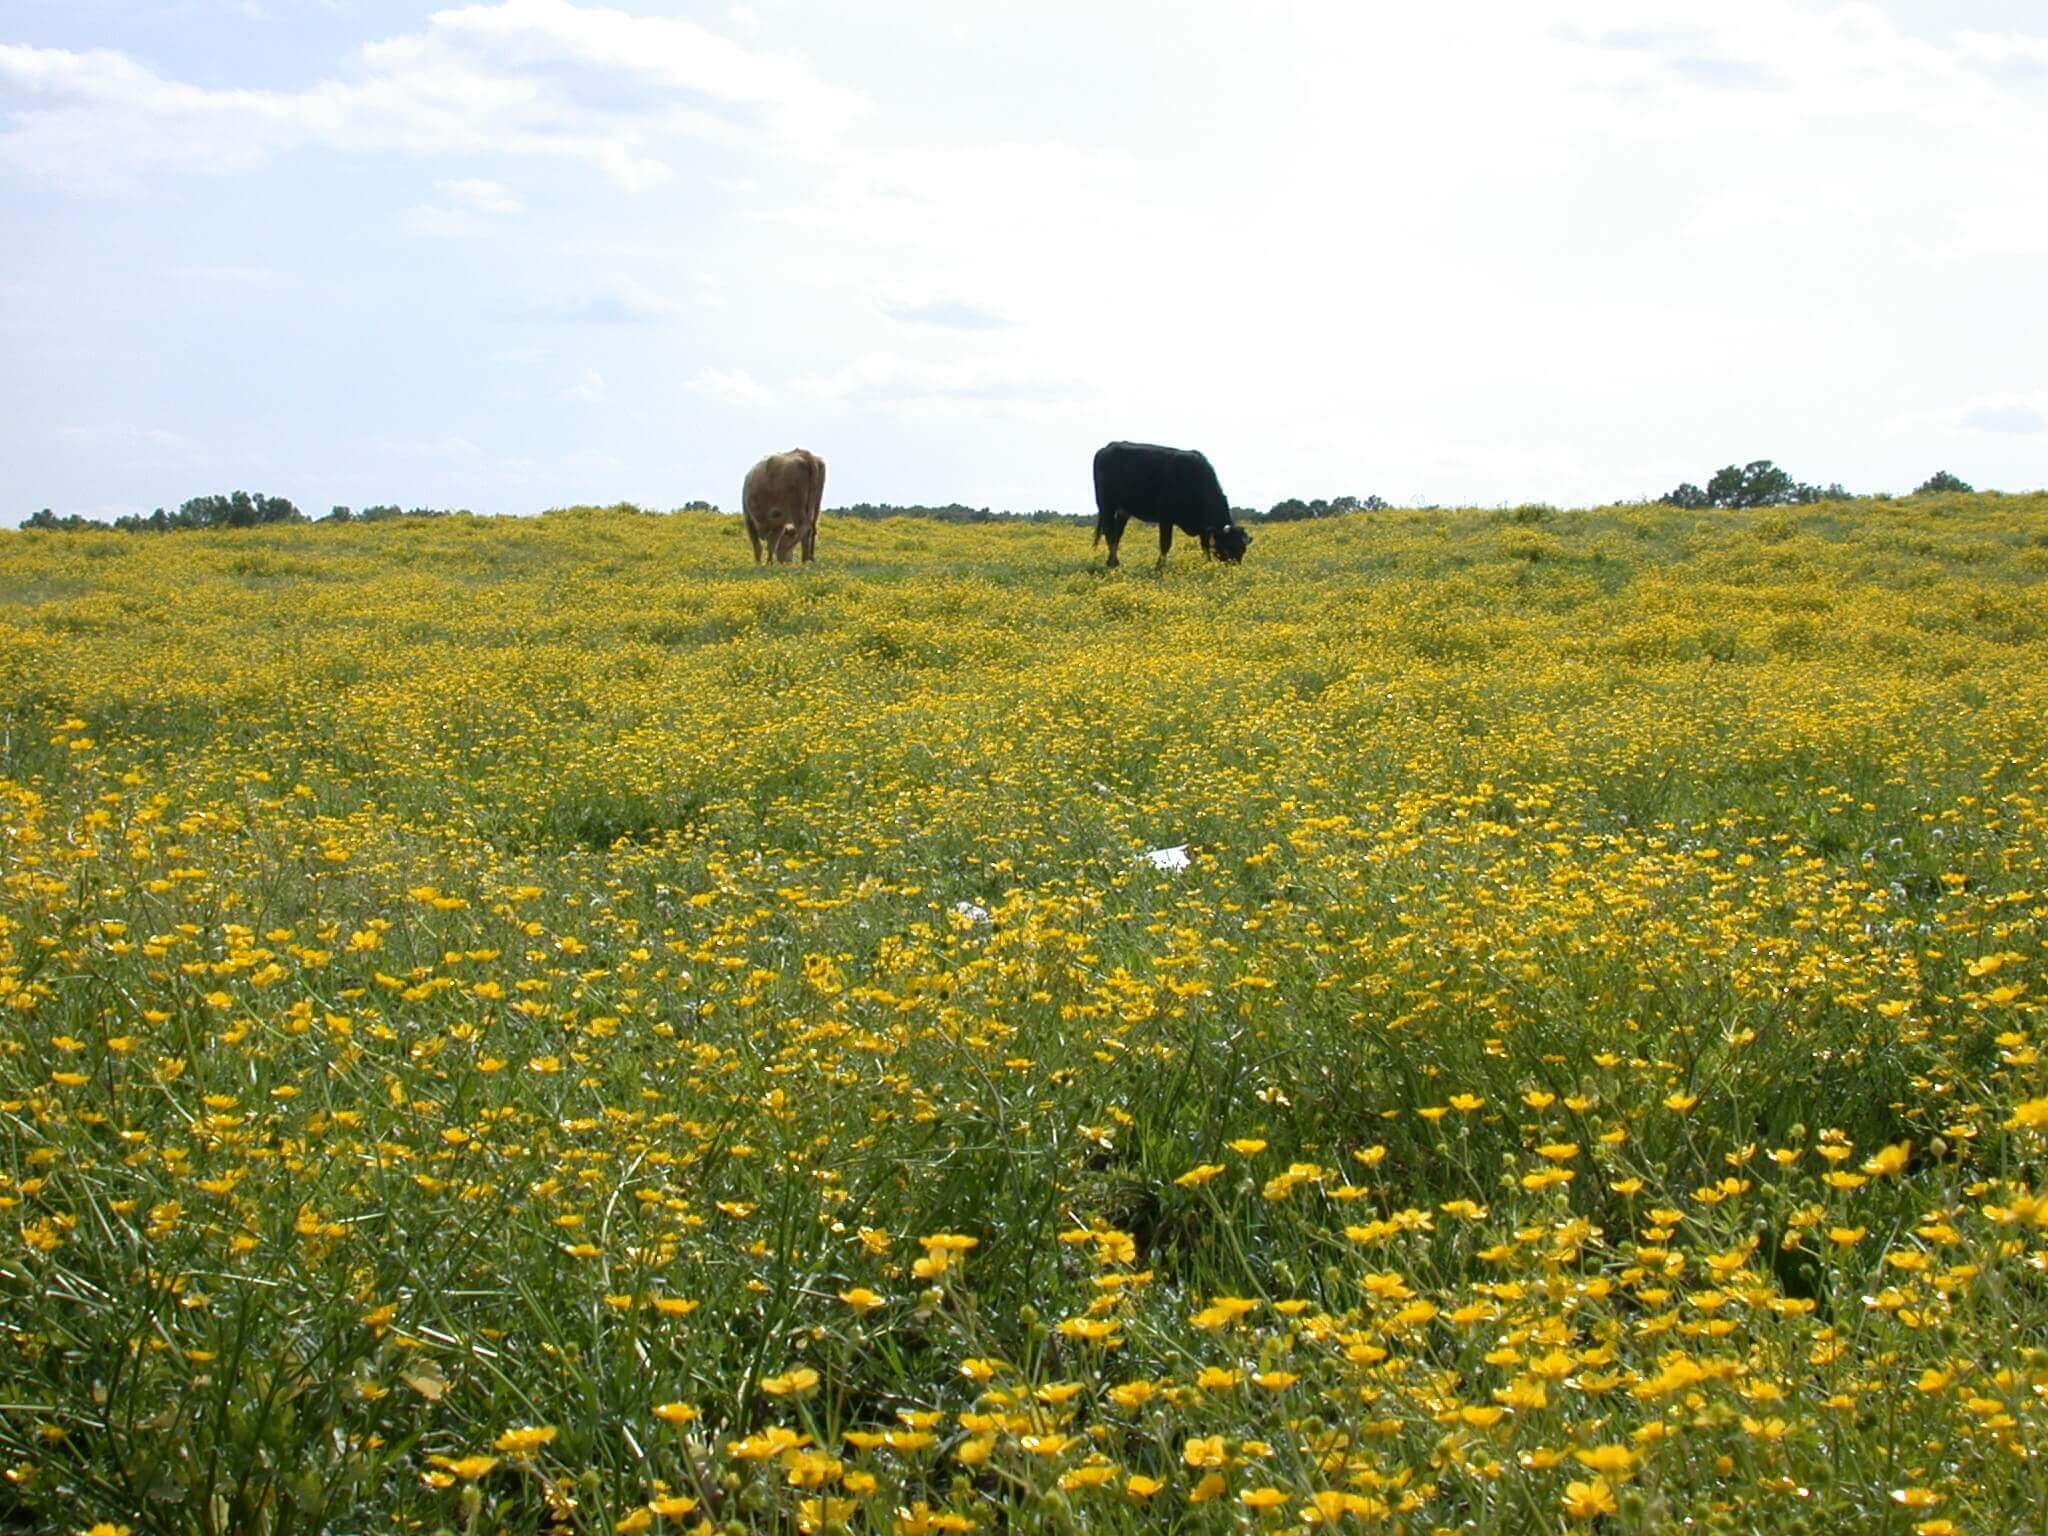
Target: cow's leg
755, 539
1115, 536
1204, 537
810, 542
1165, 540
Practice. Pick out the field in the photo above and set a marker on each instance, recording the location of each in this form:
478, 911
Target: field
541, 1025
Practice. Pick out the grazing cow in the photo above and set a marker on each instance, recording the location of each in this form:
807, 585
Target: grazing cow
1173, 487
780, 502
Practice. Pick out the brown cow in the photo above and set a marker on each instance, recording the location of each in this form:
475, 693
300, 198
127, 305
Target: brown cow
780, 502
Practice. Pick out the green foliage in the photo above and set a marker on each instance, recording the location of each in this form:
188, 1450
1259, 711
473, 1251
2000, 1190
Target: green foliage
1759, 483
1295, 510
69, 523
1941, 482
238, 509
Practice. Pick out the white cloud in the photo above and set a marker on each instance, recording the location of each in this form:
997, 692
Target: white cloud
433, 448
446, 223
480, 196
522, 77
1981, 420
2005, 412
975, 384
943, 312
468, 207
262, 279
589, 388
613, 300
152, 445
2007, 415
669, 52
734, 384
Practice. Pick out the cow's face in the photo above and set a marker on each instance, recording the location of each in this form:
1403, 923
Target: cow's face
1231, 542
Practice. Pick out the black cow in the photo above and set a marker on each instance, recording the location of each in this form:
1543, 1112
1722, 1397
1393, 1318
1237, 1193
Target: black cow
1173, 487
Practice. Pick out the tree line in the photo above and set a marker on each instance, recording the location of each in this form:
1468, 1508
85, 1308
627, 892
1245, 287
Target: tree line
952, 512
1295, 510
238, 509
1759, 483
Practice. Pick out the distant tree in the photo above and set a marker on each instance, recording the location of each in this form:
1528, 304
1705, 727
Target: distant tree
339, 515
1297, 510
380, 514
70, 522
1759, 483
698, 506
236, 510
1941, 481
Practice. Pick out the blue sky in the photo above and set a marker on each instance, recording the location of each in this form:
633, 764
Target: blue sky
520, 253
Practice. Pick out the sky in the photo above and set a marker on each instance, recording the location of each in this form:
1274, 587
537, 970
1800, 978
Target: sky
515, 254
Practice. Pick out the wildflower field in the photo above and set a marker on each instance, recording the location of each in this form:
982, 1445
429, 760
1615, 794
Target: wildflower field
542, 1025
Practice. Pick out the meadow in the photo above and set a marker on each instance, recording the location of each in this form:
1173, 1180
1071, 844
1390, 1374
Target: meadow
541, 1025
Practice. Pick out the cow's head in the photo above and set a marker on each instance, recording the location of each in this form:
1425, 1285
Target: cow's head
1231, 541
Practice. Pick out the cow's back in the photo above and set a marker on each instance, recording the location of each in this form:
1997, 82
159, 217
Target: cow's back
1159, 484
782, 483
